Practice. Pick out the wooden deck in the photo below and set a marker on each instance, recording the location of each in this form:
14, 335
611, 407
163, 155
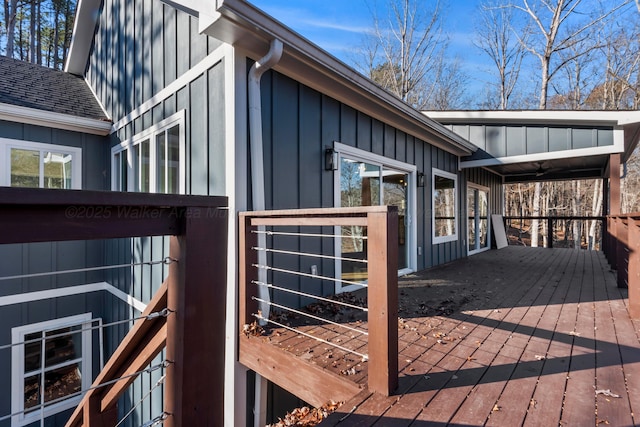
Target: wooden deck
520, 336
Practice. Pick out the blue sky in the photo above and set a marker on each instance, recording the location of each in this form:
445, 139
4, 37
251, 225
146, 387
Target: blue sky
338, 27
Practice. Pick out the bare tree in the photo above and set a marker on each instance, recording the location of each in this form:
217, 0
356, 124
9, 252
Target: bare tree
10, 12
406, 54
495, 37
550, 17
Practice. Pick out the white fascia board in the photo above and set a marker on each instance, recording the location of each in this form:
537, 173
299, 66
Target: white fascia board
14, 113
556, 117
83, 29
540, 157
250, 30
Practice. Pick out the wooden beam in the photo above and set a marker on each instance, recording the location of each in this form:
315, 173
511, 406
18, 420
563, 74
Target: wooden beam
306, 222
141, 358
194, 387
119, 358
382, 255
310, 383
622, 247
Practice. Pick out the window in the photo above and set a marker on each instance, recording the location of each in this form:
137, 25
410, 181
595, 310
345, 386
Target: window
51, 365
38, 165
367, 179
152, 162
444, 206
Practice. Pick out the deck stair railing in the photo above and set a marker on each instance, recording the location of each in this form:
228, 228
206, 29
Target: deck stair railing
290, 259
558, 231
622, 249
187, 315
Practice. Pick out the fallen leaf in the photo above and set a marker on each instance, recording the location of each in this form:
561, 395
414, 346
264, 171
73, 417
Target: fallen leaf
496, 408
574, 333
538, 357
606, 392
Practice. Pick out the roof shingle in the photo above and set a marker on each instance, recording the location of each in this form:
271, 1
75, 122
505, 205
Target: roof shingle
34, 86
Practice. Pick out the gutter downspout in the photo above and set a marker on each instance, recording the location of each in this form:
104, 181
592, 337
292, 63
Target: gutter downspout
258, 197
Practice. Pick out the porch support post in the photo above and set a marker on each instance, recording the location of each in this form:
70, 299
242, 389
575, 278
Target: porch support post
634, 268
382, 256
194, 390
614, 184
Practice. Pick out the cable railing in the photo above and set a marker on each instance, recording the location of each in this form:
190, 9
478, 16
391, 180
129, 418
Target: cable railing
576, 232
300, 270
185, 319
622, 249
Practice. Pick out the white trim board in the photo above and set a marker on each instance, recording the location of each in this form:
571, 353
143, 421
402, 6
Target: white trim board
539, 157
192, 74
33, 116
72, 290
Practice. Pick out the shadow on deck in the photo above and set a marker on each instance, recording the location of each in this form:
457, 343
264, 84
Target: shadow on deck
519, 336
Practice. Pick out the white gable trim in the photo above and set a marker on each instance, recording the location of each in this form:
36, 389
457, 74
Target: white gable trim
32, 116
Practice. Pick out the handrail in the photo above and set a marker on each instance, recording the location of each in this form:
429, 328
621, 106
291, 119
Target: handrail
623, 252
382, 283
198, 229
551, 219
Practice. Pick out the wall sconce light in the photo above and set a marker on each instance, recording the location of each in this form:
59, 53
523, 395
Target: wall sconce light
420, 179
330, 159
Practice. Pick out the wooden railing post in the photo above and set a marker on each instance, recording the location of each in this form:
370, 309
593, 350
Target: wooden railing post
194, 388
549, 232
247, 272
622, 257
634, 268
382, 255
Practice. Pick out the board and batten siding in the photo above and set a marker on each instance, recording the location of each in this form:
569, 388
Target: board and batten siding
141, 47
298, 124
516, 140
19, 259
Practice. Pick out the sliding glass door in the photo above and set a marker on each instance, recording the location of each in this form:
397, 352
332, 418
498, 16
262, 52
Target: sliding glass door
371, 182
478, 219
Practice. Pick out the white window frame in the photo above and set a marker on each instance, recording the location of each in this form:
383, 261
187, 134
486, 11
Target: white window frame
17, 367
453, 237
5, 159
384, 162
128, 146
478, 187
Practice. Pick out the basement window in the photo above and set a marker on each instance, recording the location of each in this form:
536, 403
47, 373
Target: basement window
50, 367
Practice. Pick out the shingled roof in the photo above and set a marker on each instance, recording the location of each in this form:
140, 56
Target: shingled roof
34, 86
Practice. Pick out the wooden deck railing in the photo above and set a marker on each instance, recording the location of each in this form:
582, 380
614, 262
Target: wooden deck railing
622, 249
381, 252
558, 229
194, 291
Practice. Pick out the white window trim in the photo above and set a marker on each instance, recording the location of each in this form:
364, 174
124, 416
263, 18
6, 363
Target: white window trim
443, 239
471, 185
412, 234
17, 368
149, 133
5, 158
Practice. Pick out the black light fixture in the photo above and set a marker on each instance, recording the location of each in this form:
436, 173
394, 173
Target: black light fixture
420, 179
330, 159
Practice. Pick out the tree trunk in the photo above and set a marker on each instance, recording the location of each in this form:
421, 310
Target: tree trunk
32, 33
535, 224
10, 7
597, 207
575, 210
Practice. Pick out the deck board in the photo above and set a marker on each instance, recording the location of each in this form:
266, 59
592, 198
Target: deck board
519, 336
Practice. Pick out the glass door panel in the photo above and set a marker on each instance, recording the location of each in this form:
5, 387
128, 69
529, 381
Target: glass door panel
471, 210
395, 194
477, 219
359, 186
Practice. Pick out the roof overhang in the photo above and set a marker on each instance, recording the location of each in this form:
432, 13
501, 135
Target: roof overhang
84, 27
50, 119
250, 30
589, 162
